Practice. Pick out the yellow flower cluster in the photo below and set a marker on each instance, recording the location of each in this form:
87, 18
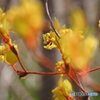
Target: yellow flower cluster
3, 23
63, 90
60, 66
76, 47
27, 18
50, 39
6, 54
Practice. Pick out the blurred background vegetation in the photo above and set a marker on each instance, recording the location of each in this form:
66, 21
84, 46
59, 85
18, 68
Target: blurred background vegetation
36, 87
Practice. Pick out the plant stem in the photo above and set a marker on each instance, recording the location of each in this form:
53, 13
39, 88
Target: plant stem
41, 73
51, 22
94, 69
76, 82
15, 69
21, 64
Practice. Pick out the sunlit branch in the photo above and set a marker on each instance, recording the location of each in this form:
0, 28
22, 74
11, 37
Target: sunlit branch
51, 22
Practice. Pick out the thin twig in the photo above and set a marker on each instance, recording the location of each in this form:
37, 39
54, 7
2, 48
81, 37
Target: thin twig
14, 68
88, 71
12, 48
76, 82
41, 73
21, 64
51, 22
94, 69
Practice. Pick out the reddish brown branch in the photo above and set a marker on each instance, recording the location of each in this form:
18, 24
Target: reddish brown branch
88, 71
94, 69
14, 68
21, 64
76, 82
12, 48
41, 73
